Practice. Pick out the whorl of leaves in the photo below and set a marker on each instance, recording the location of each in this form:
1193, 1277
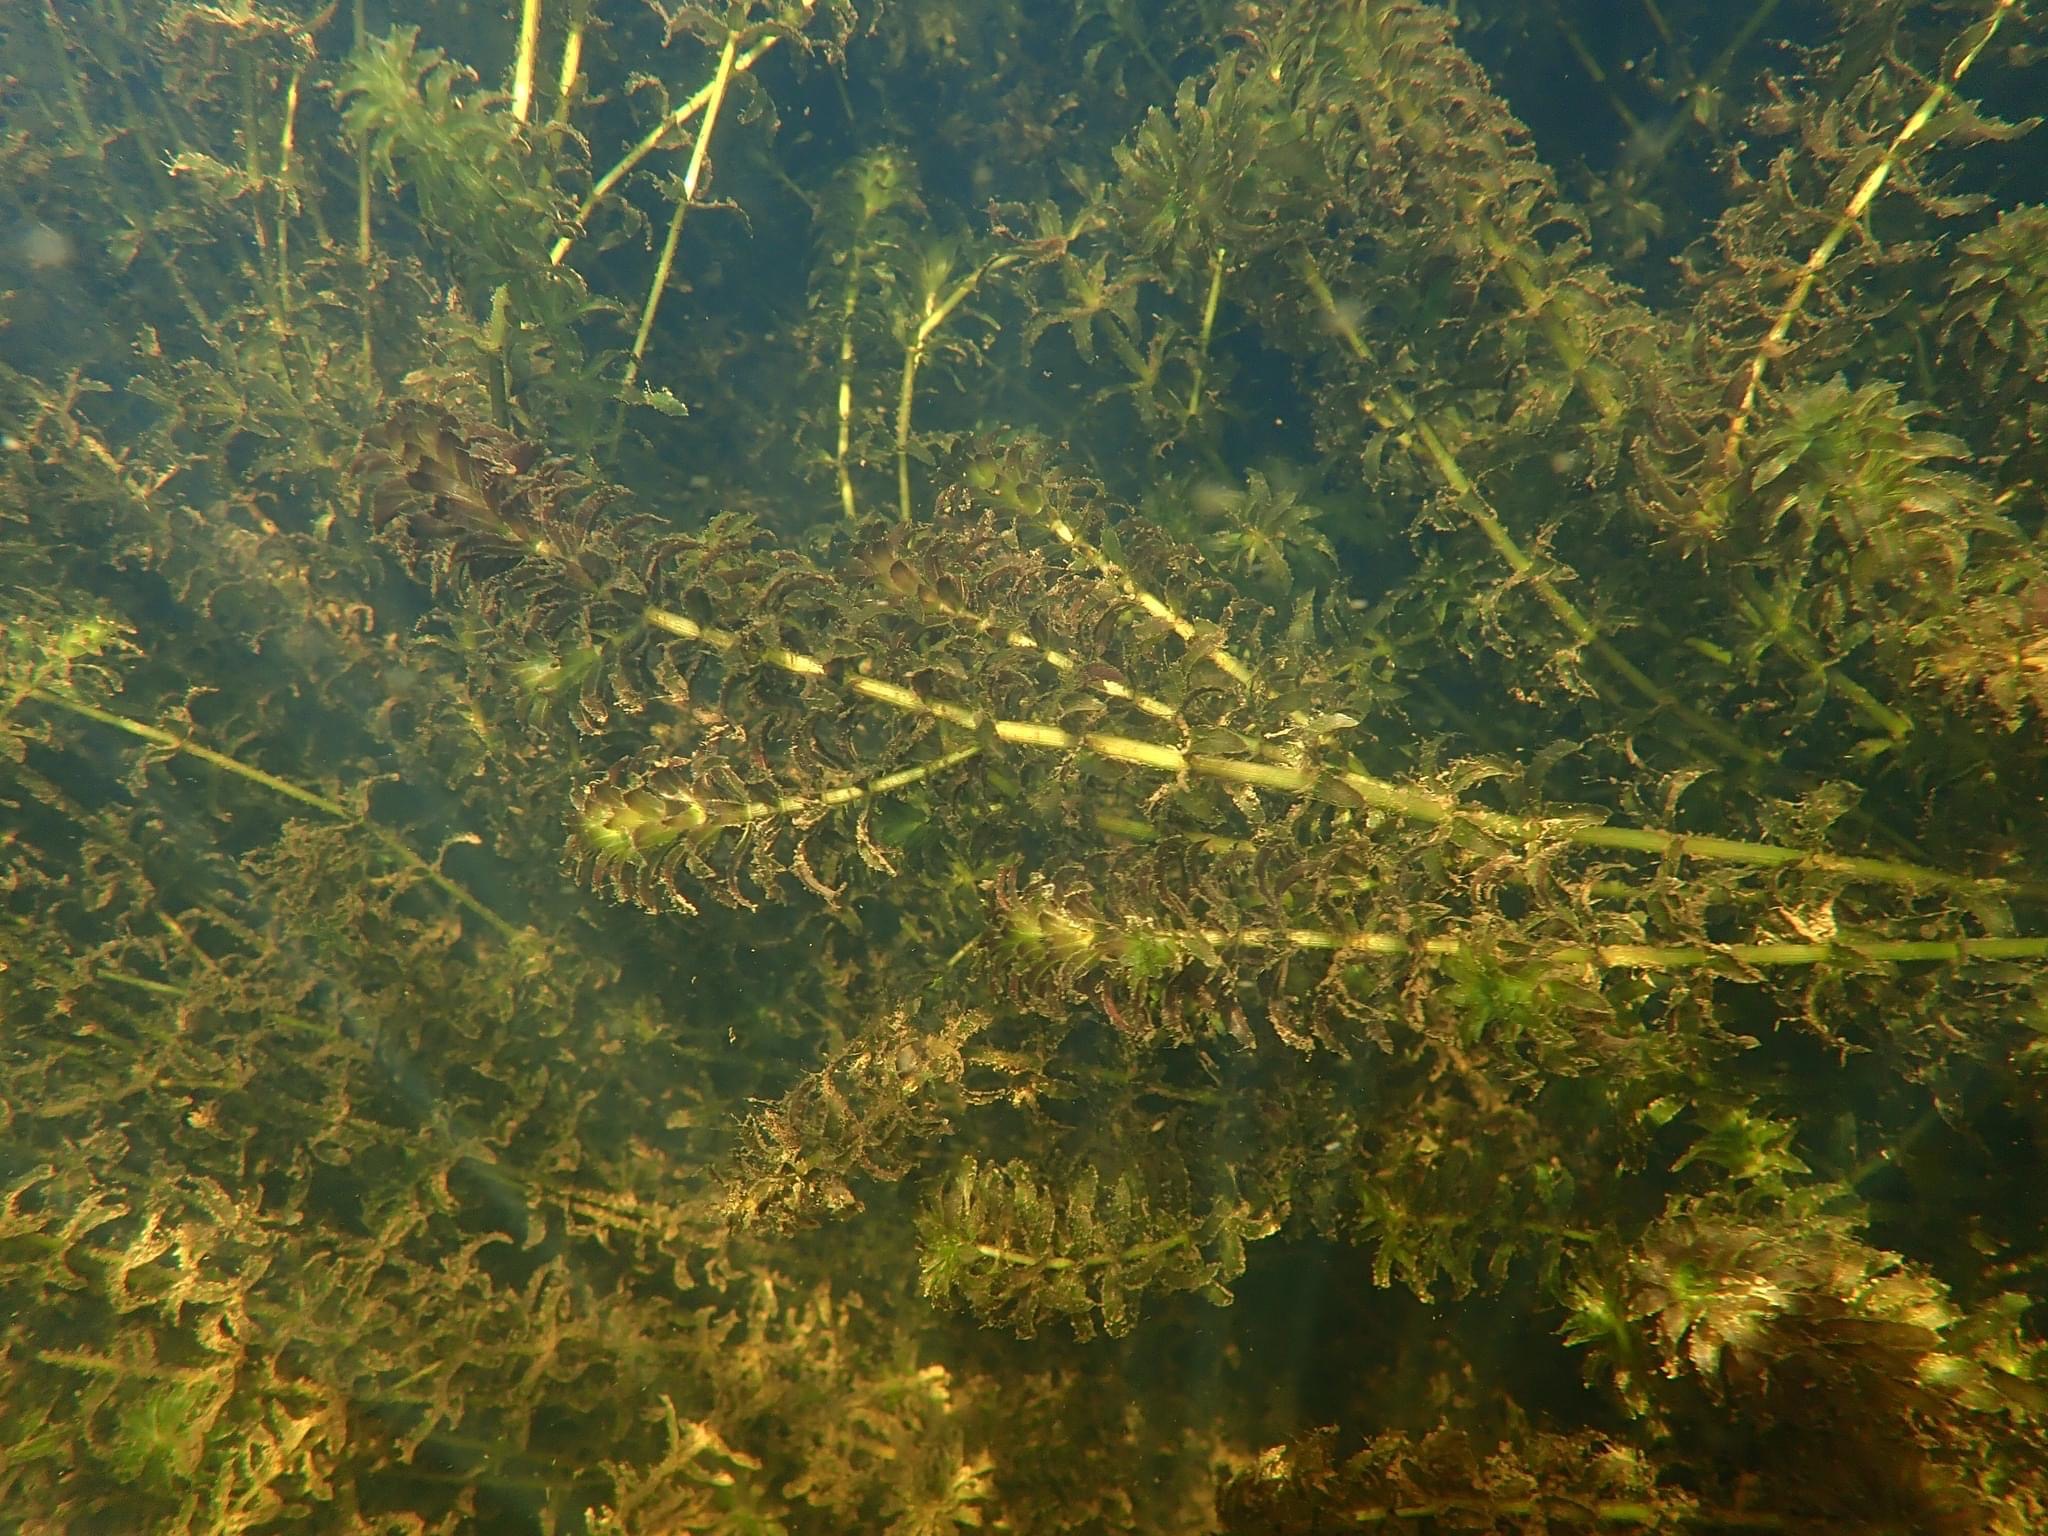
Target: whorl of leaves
1782, 1338
1021, 1250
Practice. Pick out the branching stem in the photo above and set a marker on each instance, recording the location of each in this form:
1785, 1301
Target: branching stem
692, 176
938, 309
651, 141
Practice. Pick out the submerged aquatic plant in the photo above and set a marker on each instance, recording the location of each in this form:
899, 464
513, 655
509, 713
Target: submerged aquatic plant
1171, 681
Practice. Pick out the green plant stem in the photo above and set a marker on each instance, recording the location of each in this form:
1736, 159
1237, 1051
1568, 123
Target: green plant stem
1061, 662
1514, 260
1549, 1514
1599, 76
842, 453
1066, 930
269, 274
159, 737
1136, 1253
1303, 779
1772, 617
523, 65
281, 217
1851, 216
938, 308
691, 178
74, 92
572, 60
1028, 504
497, 345
1208, 331
1723, 62
365, 248
1400, 417
1649, 147
651, 141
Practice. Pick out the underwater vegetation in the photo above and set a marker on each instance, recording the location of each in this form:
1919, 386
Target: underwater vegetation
1154, 766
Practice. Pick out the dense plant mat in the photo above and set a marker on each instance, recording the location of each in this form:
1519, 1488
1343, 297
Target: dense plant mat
1126, 766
